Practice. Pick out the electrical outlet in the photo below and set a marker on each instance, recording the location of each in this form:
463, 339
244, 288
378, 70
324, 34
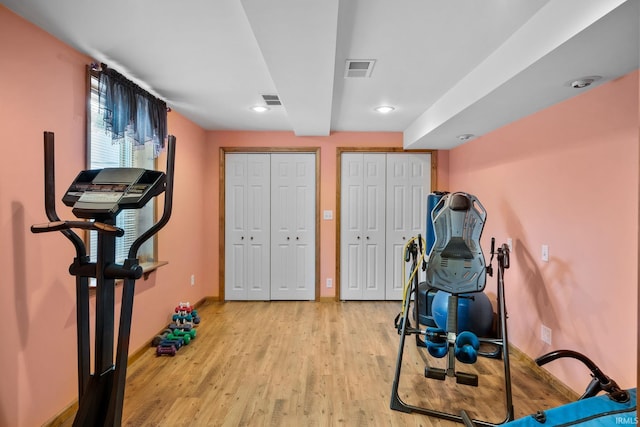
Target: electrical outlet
545, 334
193, 279
329, 282
545, 253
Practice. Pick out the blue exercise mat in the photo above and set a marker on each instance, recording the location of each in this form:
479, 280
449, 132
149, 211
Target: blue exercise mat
591, 412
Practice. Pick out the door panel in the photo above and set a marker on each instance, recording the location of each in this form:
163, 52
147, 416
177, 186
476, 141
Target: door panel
374, 288
247, 261
293, 226
235, 272
351, 226
382, 205
407, 188
362, 226
397, 234
374, 226
235, 226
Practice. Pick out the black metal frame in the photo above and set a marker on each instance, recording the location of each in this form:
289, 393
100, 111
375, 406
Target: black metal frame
599, 380
405, 328
101, 394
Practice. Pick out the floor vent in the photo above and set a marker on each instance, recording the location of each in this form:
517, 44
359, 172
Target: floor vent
359, 68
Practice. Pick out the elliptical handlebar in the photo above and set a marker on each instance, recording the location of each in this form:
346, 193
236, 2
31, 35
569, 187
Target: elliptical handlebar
168, 200
50, 194
600, 381
83, 225
49, 177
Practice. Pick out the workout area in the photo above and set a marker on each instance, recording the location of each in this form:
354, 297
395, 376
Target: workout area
320, 213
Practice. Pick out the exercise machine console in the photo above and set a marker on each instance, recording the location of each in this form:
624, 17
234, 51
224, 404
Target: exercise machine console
103, 193
97, 197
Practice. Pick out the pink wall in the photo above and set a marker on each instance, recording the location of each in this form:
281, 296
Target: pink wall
42, 87
566, 177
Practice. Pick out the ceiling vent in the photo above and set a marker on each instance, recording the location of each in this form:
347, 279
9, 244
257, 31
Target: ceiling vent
359, 67
271, 100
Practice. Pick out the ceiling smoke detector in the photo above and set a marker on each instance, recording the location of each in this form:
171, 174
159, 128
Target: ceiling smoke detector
579, 84
584, 82
358, 68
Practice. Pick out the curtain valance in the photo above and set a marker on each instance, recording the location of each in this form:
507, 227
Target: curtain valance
131, 111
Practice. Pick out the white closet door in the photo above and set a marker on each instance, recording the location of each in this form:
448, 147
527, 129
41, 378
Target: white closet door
258, 227
362, 250
235, 226
247, 260
351, 225
408, 184
293, 177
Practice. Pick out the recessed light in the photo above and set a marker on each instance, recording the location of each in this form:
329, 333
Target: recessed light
384, 109
259, 108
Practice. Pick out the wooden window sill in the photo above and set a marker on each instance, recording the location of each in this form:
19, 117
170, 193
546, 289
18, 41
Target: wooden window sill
148, 267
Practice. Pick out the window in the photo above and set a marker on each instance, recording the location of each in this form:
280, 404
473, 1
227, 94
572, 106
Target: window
103, 153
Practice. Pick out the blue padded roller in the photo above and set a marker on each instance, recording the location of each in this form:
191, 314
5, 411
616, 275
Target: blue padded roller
467, 345
436, 341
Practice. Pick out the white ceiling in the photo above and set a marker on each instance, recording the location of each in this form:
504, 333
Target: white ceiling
448, 67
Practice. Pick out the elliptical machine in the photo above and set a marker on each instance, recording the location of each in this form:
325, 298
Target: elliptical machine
98, 196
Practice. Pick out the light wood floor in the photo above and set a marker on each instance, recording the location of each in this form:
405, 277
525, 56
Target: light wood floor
311, 364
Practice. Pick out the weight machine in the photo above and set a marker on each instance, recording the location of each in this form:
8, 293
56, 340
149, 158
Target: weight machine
455, 265
97, 197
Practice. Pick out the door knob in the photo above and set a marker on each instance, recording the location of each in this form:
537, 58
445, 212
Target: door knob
287, 238
242, 238
251, 237
297, 238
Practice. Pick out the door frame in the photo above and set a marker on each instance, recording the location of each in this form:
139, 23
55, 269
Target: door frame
339, 151
221, 203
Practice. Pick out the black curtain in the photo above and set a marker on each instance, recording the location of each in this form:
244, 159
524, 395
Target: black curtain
131, 111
